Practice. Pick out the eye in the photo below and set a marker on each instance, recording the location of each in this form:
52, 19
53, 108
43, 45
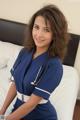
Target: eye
36, 27
46, 30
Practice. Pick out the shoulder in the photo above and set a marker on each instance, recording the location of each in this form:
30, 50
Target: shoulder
23, 52
56, 69
55, 66
55, 61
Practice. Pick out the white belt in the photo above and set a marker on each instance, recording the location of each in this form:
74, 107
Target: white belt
25, 98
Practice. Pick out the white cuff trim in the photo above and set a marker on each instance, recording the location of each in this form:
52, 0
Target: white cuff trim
11, 78
43, 90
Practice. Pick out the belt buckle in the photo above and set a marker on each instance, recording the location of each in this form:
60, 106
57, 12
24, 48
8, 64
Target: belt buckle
22, 97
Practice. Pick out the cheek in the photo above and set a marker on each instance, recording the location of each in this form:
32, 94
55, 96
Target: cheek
33, 33
49, 38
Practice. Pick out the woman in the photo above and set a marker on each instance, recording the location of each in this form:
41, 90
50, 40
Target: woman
38, 68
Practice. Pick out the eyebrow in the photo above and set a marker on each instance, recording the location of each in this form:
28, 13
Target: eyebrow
44, 27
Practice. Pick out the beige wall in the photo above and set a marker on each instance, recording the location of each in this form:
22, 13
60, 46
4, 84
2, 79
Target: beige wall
22, 10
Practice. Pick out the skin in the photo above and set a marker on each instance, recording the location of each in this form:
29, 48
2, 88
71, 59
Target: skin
42, 37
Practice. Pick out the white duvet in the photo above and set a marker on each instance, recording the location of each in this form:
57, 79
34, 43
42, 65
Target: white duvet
4, 86
4, 83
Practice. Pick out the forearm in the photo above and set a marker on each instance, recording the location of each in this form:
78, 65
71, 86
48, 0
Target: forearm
20, 112
9, 98
25, 108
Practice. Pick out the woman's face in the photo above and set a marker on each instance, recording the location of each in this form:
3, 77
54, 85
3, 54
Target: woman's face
42, 34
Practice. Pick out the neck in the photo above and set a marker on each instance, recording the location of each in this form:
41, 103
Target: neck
39, 51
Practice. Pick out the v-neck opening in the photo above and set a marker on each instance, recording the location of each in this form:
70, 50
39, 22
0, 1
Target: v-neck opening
40, 56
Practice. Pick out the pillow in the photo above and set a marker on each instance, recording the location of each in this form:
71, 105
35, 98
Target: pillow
3, 62
8, 49
77, 60
11, 62
77, 65
8, 54
65, 95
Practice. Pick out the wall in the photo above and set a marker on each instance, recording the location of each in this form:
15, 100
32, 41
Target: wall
22, 10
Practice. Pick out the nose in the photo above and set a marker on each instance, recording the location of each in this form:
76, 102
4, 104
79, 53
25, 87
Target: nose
40, 33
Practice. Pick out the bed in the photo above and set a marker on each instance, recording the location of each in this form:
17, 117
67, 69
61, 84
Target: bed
64, 97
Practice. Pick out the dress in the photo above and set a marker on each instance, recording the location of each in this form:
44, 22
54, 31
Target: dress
39, 76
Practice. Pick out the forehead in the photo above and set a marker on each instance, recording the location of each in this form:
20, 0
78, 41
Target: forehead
40, 20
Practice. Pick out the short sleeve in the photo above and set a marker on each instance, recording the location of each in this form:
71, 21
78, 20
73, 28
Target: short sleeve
16, 63
50, 80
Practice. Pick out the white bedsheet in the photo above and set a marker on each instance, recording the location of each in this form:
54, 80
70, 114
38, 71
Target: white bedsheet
4, 86
4, 82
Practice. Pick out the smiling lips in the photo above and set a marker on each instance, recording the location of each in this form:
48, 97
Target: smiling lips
38, 40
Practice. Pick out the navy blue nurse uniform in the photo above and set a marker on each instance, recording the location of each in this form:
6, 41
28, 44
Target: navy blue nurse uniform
39, 76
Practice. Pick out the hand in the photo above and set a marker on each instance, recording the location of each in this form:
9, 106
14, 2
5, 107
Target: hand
7, 118
1, 112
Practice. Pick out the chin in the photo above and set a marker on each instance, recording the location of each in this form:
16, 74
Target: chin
40, 45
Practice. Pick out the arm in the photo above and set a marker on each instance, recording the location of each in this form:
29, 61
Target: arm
10, 96
25, 108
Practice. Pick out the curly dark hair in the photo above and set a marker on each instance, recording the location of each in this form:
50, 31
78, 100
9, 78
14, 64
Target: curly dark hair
59, 29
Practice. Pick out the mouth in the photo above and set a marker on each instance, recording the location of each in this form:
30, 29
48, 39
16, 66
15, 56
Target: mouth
38, 40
